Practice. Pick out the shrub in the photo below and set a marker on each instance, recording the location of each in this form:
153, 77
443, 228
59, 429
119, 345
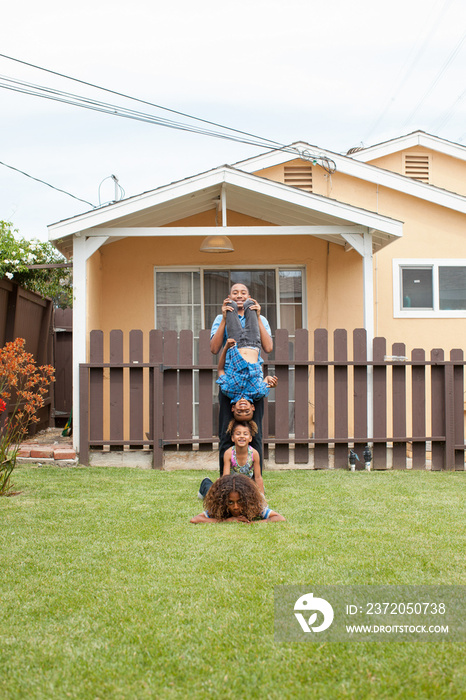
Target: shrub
22, 389
18, 254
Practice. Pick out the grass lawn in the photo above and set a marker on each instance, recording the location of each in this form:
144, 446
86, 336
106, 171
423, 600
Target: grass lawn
107, 591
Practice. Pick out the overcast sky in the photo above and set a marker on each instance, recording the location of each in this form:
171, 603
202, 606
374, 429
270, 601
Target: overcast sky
336, 74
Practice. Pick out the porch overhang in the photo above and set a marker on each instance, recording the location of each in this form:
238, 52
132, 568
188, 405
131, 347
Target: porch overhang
285, 211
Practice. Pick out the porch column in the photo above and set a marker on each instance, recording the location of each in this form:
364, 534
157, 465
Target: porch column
83, 248
362, 243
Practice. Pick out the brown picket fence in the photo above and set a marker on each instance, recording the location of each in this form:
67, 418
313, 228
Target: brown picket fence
142, 396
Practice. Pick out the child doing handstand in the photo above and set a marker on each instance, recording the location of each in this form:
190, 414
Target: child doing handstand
235, 498
244, 376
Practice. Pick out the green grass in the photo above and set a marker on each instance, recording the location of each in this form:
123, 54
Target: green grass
107, 591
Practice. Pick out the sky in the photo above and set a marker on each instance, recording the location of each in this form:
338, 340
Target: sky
328, 72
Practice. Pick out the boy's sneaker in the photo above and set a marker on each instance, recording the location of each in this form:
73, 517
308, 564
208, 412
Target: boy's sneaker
204, 487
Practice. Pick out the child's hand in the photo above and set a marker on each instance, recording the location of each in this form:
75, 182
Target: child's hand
231, 342
271, 381
237, 519
256, 307
226, 307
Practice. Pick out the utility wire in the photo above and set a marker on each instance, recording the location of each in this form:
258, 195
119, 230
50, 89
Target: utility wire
136, 99
58, 189
408, 68
449, 60
53, 94
448, 115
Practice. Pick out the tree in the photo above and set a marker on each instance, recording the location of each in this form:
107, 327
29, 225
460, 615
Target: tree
18, 255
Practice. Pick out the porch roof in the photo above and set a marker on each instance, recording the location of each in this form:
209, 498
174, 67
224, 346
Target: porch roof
284, 210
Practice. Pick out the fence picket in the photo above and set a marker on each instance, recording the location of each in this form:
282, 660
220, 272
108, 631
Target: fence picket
185, 381
379, 400
207, 419
170, 387
282, 393
457, 355
321, 397
399, 407
116, 386
156, 396
136, 389
301, 412
360, 393
340, 381
96, 387
438, 409
418, 383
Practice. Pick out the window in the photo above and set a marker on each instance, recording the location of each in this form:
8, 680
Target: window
191, 298
429, 289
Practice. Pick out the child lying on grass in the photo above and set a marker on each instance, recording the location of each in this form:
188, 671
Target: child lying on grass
235, 498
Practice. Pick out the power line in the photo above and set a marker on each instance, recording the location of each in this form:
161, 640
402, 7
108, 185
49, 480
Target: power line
48, 184
408, 67
449, 60
73, 99
136, 99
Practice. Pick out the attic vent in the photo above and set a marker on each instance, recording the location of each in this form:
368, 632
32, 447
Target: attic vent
417, 167
299, 176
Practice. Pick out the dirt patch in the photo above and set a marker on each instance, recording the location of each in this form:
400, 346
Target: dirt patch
50, 436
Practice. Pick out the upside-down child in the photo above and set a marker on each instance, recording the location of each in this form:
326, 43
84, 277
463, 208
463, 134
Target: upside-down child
243, 377
235, 498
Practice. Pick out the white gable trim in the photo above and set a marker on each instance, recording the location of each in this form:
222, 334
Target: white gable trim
364, 171
418, 138
230, 177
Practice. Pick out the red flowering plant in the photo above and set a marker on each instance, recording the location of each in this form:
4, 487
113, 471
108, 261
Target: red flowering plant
22, 389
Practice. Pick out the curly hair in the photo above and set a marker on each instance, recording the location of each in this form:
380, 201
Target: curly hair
251, 499
243, 423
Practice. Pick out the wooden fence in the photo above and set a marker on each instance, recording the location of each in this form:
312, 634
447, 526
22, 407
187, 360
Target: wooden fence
24, 314
320, 405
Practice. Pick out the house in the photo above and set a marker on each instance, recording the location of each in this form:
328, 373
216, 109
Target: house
375, 238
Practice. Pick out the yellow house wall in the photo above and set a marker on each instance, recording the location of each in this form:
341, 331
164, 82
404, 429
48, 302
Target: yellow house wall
444, 171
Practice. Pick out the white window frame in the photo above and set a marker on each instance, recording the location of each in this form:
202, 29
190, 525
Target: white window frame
434, 264
202, 268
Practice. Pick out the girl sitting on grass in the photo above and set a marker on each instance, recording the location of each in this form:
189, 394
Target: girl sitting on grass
241, 458
235, 498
